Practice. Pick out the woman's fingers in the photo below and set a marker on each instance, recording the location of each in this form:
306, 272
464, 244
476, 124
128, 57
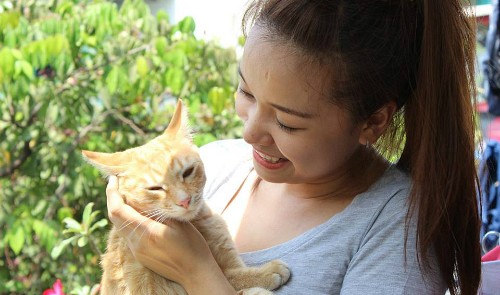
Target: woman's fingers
113, 196
188, 253
125, 218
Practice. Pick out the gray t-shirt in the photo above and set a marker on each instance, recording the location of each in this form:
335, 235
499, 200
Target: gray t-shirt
357, 251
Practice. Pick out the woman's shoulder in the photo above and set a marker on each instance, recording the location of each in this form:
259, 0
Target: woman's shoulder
229, 148
389, 238
391, 191
224, 155
384, 204
227, 163
393, 179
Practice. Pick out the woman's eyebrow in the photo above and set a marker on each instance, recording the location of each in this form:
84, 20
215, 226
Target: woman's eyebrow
282, 108
293, 112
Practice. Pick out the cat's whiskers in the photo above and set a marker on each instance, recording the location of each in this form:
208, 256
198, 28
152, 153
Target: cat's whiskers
142, 234
124, 225
150, 213
162, 218
150, 210
138, 227
157, 215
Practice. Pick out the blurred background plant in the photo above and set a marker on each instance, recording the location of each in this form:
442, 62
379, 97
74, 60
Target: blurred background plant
89, 75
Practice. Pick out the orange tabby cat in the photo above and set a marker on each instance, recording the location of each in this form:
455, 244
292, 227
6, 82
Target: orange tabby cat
164, 179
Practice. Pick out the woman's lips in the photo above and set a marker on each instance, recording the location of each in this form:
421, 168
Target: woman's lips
267, 161
268, 158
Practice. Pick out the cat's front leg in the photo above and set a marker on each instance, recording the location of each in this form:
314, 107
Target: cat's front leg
269, 276
255, 291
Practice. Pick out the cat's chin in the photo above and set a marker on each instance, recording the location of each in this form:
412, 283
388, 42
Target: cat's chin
186, 214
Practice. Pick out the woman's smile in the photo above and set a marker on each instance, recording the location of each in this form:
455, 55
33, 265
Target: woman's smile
268, 161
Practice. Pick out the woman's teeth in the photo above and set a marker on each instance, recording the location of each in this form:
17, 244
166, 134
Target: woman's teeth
268, 158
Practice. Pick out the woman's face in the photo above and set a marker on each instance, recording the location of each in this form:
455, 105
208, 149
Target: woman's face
297, 135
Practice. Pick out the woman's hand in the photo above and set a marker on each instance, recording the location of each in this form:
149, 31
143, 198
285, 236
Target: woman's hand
176, 250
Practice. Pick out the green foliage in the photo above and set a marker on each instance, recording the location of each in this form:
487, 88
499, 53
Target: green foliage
81, 233
88, 75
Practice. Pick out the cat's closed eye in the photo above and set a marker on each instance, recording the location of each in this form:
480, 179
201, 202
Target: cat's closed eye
155, 188
187, 172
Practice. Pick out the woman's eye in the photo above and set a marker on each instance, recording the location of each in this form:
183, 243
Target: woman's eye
246, 94
188, 172
286, 128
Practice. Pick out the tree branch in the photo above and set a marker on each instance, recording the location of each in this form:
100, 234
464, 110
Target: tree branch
81, 71
66, 86
61, 189
25, 153
128, 122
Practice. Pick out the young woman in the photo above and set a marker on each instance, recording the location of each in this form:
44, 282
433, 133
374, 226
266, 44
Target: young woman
326, 87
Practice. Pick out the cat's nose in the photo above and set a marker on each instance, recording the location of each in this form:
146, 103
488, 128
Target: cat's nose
185, 203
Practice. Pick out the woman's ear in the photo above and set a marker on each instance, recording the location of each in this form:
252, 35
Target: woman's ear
377, 123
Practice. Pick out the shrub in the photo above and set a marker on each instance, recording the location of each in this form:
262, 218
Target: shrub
88, 75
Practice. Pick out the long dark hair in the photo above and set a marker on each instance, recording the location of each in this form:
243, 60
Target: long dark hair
420, 54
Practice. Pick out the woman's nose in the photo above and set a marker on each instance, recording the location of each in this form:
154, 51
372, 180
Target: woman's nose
255, 129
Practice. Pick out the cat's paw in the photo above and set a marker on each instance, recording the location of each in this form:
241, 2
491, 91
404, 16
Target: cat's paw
255, 291
269, 276
278, 272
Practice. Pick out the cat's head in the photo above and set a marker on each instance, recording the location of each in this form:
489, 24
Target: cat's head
163, 178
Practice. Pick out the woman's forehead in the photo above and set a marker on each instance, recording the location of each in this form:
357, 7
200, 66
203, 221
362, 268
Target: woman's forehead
276, 63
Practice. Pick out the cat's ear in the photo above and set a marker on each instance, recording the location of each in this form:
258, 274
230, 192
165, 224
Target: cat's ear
179, 124
108, 164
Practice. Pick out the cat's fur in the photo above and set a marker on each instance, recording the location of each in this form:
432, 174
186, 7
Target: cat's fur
164, 179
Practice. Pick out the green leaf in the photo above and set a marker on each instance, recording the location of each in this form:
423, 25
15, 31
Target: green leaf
16, 53
202, 139
64, 7
19, 116
27, 69
175, 79
40, 206
57, 250
10, 39
45, 173
176, 58
63, 213
61, 179
142, 66
9, 20
78, 188
161, 15
187, 25
217, 99
72, 224
241, 40
47, 235
86, 220
112, 80
17, 239
7, 61
161, 45
101, 223
82, 241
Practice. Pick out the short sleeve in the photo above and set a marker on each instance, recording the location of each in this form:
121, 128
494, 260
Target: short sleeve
379, 266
